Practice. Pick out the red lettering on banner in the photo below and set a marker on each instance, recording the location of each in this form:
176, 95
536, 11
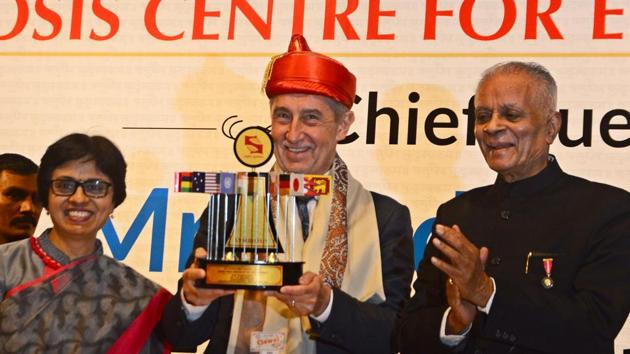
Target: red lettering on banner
342, 15
199, 21
374, 13
77, 18
330, 16
545, 19
465, 19
49, 16
599, 21
54, 19
431, 18
150, 22
20, 20
298, 17
107, 16
264, 28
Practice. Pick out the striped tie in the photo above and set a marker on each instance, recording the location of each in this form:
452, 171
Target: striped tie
302, 206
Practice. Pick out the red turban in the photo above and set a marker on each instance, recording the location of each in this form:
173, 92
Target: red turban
300, 70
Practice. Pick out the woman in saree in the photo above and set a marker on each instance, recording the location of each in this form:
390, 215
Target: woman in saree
59, 293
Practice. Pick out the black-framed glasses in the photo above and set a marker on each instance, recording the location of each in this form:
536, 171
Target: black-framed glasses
93, 188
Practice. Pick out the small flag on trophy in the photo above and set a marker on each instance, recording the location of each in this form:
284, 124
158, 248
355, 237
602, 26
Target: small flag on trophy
212, 183
197, 182
297, 184
309, 185
316, 185
274, 186
228, 183
285, 184
183, 181
242, 183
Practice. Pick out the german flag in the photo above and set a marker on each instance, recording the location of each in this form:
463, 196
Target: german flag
285, 184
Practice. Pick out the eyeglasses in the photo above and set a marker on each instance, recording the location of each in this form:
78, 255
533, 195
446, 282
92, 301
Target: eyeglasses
93, 188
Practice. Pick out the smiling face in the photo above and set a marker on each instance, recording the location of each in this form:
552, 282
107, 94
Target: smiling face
305, 132
19, 207
79, 217
513, 126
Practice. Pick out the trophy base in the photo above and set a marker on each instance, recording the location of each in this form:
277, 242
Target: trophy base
250, 276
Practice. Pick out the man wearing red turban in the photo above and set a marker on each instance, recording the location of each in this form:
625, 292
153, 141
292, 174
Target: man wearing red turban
357, 248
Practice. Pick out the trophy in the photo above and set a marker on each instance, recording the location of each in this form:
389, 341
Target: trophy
252, 220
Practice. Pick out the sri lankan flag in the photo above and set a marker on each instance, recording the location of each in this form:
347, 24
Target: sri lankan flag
316, 185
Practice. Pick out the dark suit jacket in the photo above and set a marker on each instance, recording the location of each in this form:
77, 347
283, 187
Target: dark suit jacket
352, 327
583, 226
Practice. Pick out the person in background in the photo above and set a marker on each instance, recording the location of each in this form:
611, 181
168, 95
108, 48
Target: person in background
357, 251
539, 261
60, 294
19, 206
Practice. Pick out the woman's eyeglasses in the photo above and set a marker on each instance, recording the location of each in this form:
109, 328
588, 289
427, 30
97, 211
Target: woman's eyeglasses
93, 188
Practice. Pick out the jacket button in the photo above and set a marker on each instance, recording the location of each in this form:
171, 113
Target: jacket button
496, 260
505, 214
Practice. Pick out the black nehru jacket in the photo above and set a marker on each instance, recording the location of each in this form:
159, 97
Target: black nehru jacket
583, 226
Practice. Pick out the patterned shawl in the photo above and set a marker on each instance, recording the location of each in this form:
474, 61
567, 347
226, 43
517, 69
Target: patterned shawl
343, 247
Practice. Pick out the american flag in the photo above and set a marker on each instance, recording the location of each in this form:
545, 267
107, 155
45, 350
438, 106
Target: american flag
212, 182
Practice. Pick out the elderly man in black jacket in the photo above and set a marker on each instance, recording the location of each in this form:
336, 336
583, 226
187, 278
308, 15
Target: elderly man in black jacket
538, 262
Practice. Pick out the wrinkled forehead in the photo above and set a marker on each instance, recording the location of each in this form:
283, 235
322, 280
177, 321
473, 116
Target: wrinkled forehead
509, 89
301, 101
26, 182
325, 105
507, 79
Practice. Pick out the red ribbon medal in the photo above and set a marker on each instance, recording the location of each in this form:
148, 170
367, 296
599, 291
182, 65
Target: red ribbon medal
546, 281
